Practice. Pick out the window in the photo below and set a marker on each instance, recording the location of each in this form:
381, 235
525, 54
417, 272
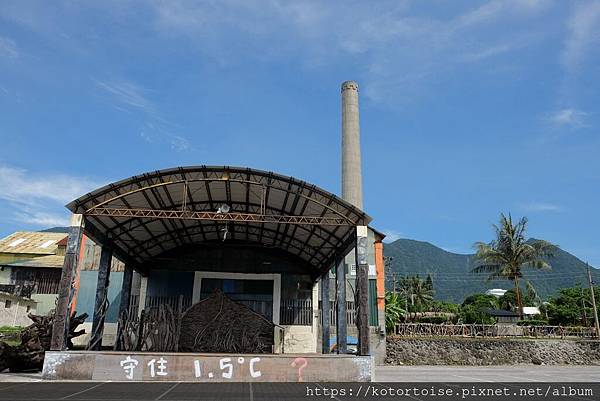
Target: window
47, 243
16, 242
28, 308
7, 303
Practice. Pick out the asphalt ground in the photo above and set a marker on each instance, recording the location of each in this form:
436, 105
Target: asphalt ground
516, 373
458, 381
413, 374
172, 391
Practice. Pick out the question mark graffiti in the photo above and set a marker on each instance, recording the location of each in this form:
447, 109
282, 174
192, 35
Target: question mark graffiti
296, 362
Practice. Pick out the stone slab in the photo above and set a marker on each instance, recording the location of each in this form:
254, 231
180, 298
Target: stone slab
189, 367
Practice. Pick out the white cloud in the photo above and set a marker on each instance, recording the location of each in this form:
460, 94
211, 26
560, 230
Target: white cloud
583, 32
540, 207
8, 48
127, 94
569, 117
39, 199
20, 186
130, 97
43, 219
179, 143
392, 235
483, 54
398, 50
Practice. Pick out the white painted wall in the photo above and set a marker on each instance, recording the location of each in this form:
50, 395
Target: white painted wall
16, 314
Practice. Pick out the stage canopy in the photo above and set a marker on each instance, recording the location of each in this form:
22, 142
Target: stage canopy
146, 215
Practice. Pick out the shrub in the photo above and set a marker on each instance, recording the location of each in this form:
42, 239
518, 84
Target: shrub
433, 319
532, 322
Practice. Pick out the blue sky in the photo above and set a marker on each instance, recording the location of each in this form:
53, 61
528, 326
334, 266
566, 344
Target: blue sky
468, 108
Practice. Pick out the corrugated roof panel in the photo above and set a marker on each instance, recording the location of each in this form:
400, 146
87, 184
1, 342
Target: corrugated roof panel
30, 242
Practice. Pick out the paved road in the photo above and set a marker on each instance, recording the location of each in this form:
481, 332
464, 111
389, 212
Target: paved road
520, 373
29, 387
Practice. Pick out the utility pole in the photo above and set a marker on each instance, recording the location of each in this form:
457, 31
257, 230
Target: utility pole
387, 261
589, 272
585, 321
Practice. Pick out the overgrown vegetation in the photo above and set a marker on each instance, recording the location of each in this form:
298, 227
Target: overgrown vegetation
474, 307
394, 310
571, 307
505, 258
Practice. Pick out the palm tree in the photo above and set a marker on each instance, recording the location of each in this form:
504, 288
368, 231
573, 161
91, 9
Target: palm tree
417, 292
510, 253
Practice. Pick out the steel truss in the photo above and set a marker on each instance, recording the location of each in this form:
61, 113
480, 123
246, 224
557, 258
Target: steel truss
216, 216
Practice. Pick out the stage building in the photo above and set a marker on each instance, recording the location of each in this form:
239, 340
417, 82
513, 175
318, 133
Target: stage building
196, 241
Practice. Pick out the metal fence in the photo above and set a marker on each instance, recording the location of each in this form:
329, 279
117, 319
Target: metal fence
293, 312
487, 330
297, 312
172, 301
265, 308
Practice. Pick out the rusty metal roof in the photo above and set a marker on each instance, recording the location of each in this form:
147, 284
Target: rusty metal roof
149, 214
31, 242
49, 261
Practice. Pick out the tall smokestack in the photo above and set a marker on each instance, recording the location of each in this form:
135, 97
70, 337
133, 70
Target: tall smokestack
351, 168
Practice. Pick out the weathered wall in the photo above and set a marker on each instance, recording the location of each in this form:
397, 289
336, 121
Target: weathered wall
299, 340
16, 313
86, 298
45, 303
467, 351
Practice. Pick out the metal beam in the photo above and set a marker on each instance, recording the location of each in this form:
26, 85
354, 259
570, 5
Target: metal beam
214, 216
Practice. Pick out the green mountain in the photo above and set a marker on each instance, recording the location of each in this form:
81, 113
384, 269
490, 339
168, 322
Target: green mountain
452, 277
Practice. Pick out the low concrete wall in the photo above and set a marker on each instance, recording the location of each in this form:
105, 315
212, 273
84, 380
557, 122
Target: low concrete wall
138, 366
299, 340
377, 342
481, 352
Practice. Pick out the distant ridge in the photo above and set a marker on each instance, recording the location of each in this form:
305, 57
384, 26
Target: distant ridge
55, 230
453, 280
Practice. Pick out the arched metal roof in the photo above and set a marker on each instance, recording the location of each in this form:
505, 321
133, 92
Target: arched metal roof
152, 213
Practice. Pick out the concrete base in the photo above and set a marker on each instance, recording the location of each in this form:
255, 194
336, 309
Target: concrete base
188, 367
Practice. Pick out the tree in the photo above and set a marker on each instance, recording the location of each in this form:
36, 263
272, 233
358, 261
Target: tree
508, 301
570, 307
510, 253
474, 309
417, 292
394, 310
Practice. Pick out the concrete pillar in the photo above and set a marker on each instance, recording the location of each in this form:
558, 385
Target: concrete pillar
351, 160
101, 298
325, 310
65, 289
341, 325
